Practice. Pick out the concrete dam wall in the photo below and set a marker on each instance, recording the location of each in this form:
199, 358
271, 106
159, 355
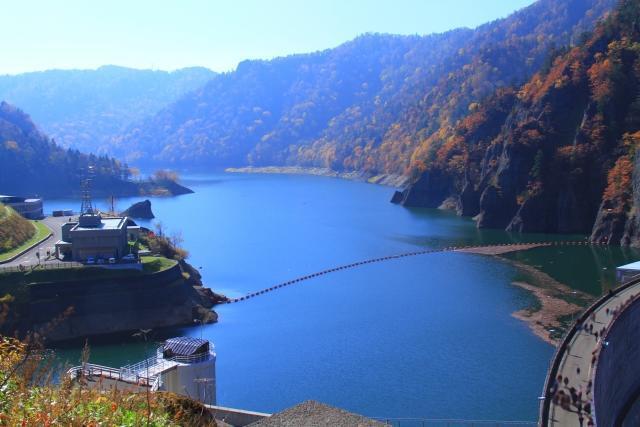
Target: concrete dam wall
617, 376
111, 305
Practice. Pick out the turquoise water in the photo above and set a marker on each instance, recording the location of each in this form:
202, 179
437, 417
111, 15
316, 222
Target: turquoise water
429, 336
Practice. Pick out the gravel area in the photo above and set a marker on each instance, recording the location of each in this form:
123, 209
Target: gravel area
315, 414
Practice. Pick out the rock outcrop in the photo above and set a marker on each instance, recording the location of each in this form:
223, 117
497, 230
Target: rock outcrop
203, 299
139, 210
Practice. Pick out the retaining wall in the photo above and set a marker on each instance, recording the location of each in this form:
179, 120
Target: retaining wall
110, 305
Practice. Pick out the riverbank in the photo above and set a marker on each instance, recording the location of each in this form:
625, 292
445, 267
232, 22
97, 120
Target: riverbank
390, 180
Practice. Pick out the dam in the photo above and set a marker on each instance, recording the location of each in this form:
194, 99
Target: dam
594, 378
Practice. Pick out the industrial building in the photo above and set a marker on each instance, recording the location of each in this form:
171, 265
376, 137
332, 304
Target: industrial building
95, 237
28, 208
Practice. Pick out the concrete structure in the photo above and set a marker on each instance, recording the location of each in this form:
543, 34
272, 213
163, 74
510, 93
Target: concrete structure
97, 237
595, 374
28, 208
626, 272
182, 365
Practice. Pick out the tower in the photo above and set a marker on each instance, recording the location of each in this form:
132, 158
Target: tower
88, 216
86, 208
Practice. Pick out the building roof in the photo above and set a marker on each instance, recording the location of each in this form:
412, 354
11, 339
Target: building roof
632, 266
11, 199
185, 346
316, 414
105, 224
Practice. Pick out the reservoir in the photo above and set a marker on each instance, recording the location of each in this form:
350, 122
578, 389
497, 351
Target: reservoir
431, 336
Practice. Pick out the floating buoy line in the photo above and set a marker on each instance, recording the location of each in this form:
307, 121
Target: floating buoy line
468, 248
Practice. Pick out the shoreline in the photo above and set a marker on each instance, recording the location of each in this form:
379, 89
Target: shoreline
389, 180
546, 321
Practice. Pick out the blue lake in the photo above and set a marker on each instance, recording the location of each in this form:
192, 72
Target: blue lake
429, 336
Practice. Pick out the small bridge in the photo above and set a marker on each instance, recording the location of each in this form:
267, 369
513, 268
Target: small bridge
496, 249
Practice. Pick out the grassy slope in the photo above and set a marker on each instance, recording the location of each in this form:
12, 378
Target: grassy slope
154, 264
42, 231
17, 233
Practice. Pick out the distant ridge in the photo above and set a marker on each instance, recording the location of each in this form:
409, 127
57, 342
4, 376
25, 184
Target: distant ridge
33, 164
83, 109
365, 106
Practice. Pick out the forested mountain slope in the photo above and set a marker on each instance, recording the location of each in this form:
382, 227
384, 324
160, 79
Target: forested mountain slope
83, 109
32, 164
366, 105
557, 154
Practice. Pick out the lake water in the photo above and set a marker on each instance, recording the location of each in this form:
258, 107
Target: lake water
429, 336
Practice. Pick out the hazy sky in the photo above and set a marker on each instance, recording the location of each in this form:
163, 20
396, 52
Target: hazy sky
165, 34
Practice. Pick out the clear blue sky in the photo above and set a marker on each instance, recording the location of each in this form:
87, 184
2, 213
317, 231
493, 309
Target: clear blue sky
170, 34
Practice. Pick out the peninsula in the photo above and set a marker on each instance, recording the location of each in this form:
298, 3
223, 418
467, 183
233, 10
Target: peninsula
97, 274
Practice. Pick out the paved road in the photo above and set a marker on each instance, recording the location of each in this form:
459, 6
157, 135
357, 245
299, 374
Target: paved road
30, 258
576, 363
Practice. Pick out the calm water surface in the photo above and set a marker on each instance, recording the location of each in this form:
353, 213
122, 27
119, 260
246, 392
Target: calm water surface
429, 336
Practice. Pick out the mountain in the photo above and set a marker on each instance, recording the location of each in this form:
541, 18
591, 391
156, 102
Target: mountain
33, 164
366, 105
556, 154
83, 109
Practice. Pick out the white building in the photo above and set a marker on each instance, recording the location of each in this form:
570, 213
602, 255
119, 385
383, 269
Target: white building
626, 272
28, 208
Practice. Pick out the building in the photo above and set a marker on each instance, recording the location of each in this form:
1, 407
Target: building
626, 272
93, 236
182, 365
28, 208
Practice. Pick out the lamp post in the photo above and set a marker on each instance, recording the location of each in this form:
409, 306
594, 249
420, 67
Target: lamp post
201, 325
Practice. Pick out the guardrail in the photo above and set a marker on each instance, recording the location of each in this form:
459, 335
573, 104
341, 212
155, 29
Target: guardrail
159, 363
93, 370
41, 266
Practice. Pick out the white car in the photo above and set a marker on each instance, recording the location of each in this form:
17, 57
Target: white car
91, 260
112, 260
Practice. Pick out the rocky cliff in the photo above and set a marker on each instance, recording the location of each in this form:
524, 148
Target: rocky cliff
557, 154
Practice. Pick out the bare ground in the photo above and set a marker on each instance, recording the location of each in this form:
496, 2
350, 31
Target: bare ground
499, 249
554, 305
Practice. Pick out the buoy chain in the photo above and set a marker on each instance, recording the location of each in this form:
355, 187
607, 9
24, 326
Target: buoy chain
408, 254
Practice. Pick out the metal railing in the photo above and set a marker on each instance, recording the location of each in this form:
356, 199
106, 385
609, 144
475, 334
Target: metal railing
158, 363
42, 266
